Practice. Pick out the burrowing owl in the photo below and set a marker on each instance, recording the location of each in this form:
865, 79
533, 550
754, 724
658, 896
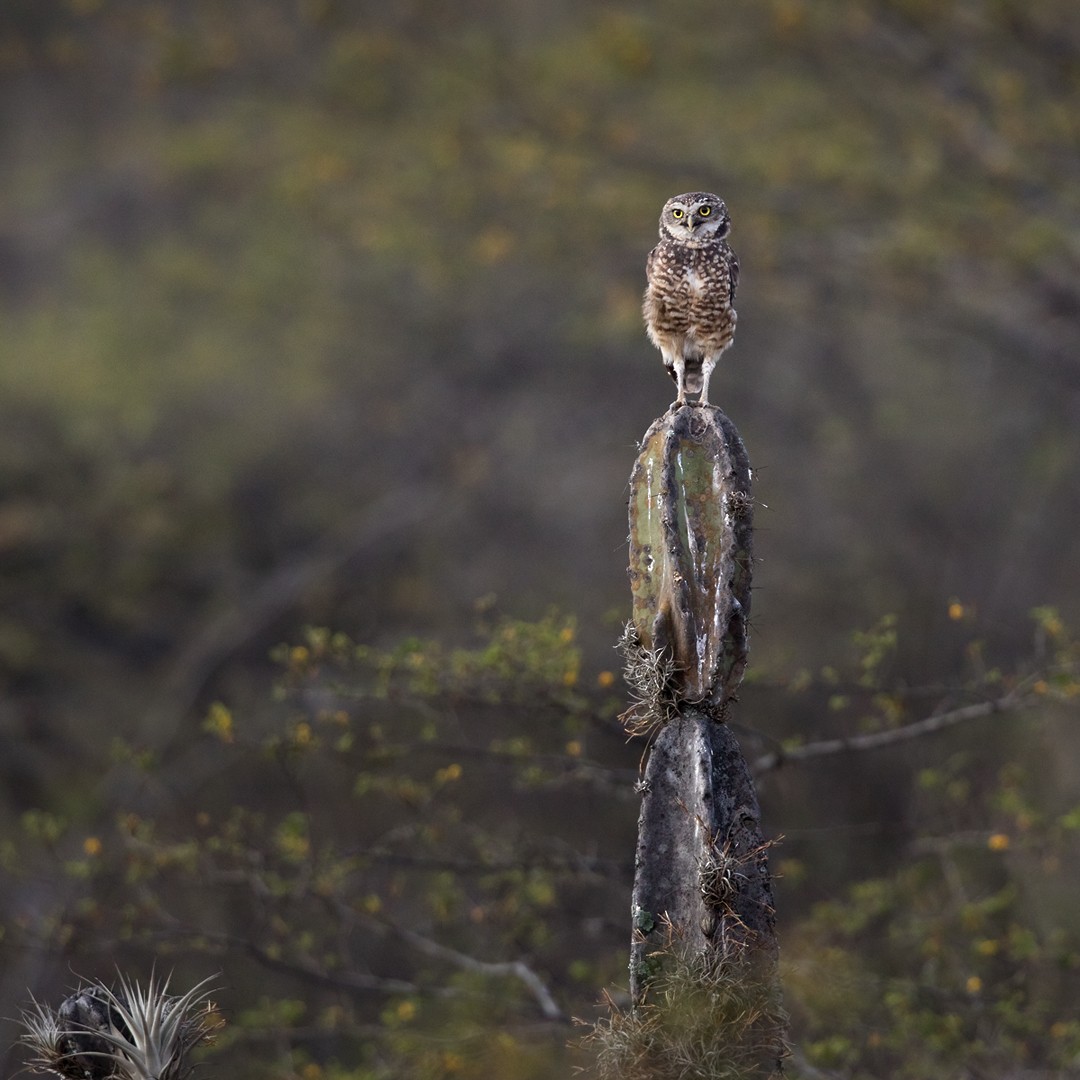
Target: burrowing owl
692, 279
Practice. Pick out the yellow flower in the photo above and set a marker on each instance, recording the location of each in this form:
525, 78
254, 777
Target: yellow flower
573, 748
998, 842
956, 610
219, 722
974, 984
605, 679
92, 846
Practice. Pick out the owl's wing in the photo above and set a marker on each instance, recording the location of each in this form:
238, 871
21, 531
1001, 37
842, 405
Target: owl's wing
733, 274
649, 263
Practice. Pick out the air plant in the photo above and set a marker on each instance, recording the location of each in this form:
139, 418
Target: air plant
129, 1033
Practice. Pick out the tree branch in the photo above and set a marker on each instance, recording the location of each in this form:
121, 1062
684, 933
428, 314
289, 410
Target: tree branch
516, 969
873, 740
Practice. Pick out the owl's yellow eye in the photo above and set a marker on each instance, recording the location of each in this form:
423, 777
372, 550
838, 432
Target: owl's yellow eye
678, 214
705, 211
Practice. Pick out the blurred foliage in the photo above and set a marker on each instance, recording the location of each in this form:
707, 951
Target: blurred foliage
378, 862
964, 955
964, 958
325, 311
378, 846
252, 256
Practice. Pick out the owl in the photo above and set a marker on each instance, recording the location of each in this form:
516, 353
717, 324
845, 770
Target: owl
692, 276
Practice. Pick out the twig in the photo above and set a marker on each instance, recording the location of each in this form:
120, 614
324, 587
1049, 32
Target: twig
516, 969
873, 740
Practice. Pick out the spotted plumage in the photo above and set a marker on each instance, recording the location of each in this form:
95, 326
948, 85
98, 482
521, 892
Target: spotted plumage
692, 276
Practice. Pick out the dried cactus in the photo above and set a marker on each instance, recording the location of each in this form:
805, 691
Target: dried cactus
690, 552
127, 1034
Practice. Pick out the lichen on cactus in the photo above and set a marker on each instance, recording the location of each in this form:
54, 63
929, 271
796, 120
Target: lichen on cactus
690, 553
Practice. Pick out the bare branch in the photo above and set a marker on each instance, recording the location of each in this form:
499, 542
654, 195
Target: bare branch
516, 969
873, 740
366, 983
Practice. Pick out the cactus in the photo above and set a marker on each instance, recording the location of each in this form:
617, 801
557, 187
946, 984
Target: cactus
702, 906
701, 881
690, 553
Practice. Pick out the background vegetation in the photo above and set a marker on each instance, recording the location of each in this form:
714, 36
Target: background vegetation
317, 313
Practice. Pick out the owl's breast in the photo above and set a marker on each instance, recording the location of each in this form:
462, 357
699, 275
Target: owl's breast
695, 283
689, 292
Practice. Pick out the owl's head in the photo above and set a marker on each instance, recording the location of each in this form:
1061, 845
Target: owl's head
696, 217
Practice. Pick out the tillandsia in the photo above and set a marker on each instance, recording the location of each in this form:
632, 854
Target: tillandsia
129, 1033
650, 674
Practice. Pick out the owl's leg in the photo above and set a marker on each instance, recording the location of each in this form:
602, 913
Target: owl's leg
706, 374
676, 364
